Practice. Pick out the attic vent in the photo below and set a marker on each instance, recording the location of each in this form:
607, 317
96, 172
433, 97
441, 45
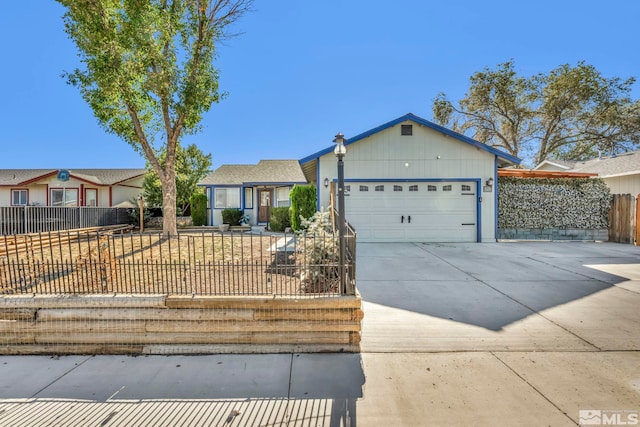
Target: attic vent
406, 130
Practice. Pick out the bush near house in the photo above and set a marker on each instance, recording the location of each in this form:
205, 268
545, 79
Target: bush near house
231, 216
321, 248
303, 204
198, 204
280, 219
134, 213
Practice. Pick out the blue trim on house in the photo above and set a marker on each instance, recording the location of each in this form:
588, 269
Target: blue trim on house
478, 215
478, 182
409, 179
268, 184
318, 184
422, 122
244, 192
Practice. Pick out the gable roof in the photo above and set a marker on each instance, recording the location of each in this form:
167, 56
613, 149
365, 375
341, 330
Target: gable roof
619, 165
507, 158
264, 173
22, 177
557, 164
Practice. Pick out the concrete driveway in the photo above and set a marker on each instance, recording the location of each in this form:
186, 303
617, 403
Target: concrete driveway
529, 296
526, 333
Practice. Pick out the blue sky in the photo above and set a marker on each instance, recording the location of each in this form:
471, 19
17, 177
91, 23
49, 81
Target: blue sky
305, 70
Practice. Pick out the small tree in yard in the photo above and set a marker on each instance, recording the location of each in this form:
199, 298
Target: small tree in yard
303, 204
148, 72
191, 166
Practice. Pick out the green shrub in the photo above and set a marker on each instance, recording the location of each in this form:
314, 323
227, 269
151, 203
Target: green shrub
303, 204
280, 219
134, 213
231, 216
198, 204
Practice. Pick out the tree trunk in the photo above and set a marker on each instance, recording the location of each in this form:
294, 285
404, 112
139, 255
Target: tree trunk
169, 227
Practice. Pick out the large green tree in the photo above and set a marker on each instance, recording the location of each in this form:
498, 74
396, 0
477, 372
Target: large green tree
147, 72
570, 113
191, 166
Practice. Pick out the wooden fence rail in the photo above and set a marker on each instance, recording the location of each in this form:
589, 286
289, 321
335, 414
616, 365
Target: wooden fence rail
624, 217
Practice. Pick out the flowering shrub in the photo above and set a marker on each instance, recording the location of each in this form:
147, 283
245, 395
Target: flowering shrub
320, 254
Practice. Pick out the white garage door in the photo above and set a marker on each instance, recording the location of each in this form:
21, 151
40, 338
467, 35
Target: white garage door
413, 211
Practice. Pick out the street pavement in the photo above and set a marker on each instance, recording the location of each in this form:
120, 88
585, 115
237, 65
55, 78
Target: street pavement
513, 334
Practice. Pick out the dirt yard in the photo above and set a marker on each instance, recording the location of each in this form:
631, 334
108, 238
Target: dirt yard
207, 263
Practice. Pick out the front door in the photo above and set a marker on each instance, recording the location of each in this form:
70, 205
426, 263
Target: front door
264, 205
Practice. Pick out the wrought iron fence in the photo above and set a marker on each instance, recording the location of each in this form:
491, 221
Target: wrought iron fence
42, 219
204, 263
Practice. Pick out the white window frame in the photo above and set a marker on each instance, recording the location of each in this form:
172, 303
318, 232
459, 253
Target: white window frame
282, 202
224, 198
66, 192
20, 203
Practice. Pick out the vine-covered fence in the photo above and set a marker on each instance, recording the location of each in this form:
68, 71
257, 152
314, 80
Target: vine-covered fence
553, 208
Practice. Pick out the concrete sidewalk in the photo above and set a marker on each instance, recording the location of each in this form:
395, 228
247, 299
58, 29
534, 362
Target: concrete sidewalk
525, 334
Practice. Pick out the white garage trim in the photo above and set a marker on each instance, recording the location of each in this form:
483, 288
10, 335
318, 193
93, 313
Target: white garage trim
478, 193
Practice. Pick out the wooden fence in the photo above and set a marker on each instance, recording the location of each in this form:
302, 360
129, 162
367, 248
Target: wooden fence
42, 219
624, 219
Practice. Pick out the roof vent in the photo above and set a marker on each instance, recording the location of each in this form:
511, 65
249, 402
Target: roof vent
406, 130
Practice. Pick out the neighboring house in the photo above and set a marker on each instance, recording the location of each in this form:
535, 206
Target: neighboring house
252, 188
412, 180
555, 165
620, 172
84, 187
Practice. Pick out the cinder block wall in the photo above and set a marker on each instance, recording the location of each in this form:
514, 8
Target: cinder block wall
160, 324
553, 208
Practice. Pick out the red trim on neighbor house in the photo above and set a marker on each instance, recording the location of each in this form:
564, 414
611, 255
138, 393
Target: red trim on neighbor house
81, 195
38, 178
128, 186
83, 179
528, 173
18, 189
47, 195
110, 196
55, 173
124, 180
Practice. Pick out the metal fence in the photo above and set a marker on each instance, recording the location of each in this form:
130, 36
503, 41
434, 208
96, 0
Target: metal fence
42, 219
205, 263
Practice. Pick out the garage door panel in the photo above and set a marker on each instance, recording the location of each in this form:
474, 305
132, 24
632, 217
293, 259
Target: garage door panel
436, 216
435, 221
